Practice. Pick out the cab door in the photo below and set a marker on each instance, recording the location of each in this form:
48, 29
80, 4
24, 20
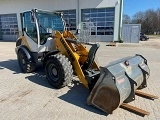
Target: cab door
31, 30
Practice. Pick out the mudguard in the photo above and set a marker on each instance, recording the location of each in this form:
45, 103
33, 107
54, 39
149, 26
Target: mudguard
49, 54
25, 50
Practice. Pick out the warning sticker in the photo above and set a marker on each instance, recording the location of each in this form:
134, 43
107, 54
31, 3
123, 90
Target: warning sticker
120, 81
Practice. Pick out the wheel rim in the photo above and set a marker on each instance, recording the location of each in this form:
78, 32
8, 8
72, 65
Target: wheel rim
22, 61
53, 72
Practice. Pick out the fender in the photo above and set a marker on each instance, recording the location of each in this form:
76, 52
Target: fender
18, 42
26, 51
49, 54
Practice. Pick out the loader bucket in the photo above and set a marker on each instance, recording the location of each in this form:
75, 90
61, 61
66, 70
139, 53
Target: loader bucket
117, 83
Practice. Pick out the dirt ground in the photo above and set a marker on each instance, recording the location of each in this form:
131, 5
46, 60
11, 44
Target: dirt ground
154, 41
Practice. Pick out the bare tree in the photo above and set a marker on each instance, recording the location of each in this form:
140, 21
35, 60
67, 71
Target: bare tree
149, 20
158, 20
126, 19
150, 25
138, 18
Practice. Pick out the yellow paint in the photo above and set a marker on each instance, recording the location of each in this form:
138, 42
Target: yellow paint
77, 51
74, 62
83, 51
24, 42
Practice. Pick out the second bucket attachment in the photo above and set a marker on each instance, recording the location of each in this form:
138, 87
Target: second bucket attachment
118, 82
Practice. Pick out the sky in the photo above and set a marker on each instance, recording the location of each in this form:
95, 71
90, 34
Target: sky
130, 7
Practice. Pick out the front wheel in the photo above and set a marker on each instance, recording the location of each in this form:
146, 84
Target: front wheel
58, 70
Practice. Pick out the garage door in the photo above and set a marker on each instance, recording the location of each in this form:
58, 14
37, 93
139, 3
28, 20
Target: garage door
8, 27
100, 21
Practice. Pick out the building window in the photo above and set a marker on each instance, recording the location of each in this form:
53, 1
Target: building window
8, 24
100, 21
70, 18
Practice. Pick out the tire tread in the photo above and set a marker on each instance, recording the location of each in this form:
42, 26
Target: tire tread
67, 68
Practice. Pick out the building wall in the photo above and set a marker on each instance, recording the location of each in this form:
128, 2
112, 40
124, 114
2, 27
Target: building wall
103, 4
18, 6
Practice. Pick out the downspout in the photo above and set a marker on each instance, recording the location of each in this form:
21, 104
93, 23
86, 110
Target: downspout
120, 20
78, 26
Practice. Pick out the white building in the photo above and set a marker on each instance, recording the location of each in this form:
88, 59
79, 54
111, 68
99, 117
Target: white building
102, 17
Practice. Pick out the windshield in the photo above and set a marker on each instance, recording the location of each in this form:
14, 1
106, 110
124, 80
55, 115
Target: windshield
49, 22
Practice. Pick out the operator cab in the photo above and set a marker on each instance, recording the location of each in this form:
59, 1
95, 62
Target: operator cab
38, 26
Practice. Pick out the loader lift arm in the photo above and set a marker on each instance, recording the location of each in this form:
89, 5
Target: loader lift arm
74, 52
91, 75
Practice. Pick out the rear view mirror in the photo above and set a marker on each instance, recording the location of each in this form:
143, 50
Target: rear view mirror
77, 31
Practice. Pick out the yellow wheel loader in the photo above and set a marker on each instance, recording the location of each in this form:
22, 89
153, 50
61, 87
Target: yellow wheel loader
44, 39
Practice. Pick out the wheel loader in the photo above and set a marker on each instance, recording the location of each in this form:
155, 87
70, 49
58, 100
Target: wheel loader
45, 40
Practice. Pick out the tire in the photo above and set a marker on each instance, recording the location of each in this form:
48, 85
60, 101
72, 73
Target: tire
58, 70
143, 39
25, 65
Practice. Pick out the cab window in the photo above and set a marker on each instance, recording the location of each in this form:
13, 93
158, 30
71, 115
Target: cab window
48, 22
30, 27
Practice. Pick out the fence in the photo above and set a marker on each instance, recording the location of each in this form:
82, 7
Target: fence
84, 36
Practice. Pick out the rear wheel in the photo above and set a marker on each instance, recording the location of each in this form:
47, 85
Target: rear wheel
25, 65
58, 70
